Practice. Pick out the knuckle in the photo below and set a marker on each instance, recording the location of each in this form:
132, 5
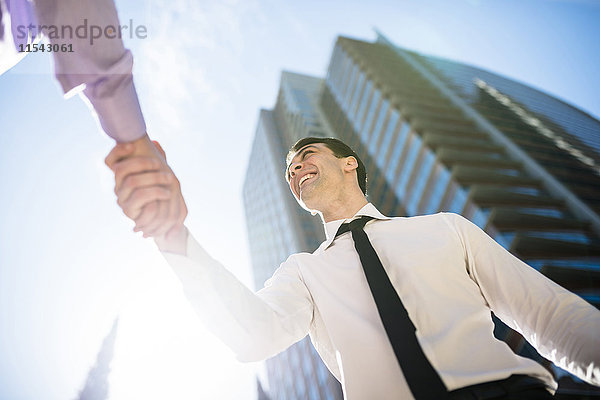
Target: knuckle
129, 212
135, 197
124, 182
149, 212
131, 180
151, 163
118, 169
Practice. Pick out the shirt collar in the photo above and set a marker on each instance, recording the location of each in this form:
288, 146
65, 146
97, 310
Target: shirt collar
332, 227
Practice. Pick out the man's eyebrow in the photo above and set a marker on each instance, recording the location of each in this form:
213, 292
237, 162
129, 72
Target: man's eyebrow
302, 150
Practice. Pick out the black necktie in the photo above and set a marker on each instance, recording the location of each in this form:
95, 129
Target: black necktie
423, 380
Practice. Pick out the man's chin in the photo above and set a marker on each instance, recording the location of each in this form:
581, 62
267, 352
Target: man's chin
306, 203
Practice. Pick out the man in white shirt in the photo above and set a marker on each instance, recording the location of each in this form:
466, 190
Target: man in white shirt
448, 274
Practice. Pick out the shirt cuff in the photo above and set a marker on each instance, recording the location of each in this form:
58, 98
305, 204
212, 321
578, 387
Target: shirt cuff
118, 111
190, 265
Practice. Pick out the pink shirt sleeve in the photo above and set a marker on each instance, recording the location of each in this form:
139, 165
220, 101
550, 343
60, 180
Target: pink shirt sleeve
100, 67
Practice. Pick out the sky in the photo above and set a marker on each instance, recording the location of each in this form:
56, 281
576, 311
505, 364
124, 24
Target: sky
69, 262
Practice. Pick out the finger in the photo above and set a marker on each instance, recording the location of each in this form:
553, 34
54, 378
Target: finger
143, 179
148, 213
118, 152
151, 228
134, 165
173, 212
177, 212
183, 212
180, 219
133, 206
169, 220
160, 149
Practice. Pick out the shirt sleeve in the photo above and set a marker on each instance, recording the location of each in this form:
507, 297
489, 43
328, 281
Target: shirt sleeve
254, 325
563, 327
99, 64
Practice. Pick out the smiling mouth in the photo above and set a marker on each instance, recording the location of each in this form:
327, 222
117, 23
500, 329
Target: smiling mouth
305, 178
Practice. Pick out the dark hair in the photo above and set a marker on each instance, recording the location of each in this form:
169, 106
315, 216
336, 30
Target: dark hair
339, 149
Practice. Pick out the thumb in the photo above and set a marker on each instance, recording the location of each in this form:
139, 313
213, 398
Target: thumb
160, 149
119, 152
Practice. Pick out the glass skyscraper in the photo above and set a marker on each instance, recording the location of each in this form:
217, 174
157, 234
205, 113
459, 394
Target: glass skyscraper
435, 135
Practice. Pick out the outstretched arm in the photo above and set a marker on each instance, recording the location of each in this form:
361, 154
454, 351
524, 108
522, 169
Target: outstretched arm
254, 325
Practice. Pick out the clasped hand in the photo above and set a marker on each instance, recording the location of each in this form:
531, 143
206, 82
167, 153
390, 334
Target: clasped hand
149, 193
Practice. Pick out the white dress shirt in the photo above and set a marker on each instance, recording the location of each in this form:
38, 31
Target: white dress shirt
449, 274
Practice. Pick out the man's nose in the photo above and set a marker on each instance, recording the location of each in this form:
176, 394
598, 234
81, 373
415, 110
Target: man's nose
294, 168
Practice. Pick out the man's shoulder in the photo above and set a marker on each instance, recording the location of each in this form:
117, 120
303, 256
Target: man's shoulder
295, 258
442, 224
440, 217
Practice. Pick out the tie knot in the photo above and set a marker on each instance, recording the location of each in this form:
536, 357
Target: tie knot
356, 224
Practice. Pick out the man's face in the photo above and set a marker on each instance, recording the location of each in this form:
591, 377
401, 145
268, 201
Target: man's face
313, 173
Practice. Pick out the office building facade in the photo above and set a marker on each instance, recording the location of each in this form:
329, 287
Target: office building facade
438, 135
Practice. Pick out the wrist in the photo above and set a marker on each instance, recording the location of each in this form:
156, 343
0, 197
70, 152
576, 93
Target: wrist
143, 146
174, 241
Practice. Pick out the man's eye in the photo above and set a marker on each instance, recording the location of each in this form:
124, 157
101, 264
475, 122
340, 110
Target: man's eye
305, 153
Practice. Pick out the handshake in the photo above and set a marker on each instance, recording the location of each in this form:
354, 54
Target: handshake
149, 193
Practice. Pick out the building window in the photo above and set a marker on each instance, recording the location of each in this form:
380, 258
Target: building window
545, 212
505, 239
459, 200
357, 92
333, 75
398, 147
378, 126
524, 190
407, 168
421, 180
480, 217
369, 120
575, 237
344, 72
382, 158
360, 117
314, 393
348, 89
584, 264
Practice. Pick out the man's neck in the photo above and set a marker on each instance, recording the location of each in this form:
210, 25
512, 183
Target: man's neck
343, 209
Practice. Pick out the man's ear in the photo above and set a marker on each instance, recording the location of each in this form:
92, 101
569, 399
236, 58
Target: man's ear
350, 164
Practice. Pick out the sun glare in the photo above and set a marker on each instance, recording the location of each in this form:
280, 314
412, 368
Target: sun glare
163, 351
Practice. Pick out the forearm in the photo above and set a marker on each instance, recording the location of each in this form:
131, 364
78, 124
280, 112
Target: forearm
254, 325
570, 336
101, 67
559, 324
